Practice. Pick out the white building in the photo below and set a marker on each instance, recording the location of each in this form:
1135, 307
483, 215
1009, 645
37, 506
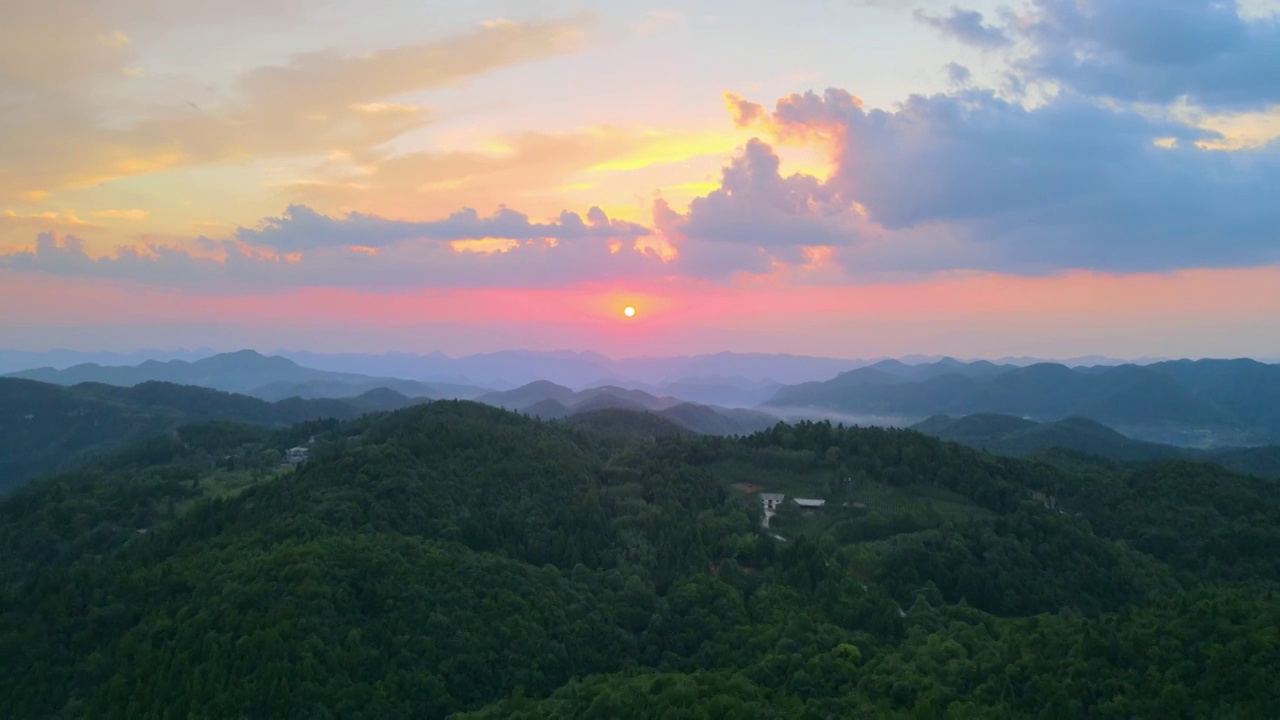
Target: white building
810, 502
771, 501
297, 456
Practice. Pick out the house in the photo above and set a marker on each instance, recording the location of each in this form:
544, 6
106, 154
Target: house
297, 456
771, 501
809, 503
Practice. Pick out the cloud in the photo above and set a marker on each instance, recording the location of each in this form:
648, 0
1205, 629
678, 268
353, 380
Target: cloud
434, 182
16, 229
56, 42
948, 182
1157, 51
13, 220
303, 248
65, 256
118, 214
1069, 184
757, 217
965, 26
314, 104
958, 74
301, 228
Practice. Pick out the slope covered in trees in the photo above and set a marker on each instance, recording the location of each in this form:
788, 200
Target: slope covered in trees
455, 558
45, 428
549, 401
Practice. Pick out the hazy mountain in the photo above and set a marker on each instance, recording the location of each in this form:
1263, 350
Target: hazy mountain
46, 427
15, 360
732, 392
524, 396
246, 372
1008, 435
282, 389
514, 368
550, 401
1205, 402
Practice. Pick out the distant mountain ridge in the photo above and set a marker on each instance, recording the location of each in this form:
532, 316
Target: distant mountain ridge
512, 368
550, 401
1014, 436
249, 373
1202, 402
1192, 403
697, 379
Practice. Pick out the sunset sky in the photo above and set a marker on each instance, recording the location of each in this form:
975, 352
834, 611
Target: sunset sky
850, 178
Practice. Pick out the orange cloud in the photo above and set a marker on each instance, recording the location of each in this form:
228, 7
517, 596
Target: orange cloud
517, 167
656, 148
485, 246
133, 214
312, 105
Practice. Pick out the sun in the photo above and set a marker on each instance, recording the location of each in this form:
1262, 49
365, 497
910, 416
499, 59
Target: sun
629, 311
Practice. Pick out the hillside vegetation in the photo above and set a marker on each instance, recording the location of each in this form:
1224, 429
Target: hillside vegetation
46, 428
454, 558
549, 401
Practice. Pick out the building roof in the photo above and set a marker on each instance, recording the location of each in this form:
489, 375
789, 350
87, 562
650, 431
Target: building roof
775, 497
810, 502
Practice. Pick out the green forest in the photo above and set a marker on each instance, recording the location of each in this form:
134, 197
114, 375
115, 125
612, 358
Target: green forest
453, 560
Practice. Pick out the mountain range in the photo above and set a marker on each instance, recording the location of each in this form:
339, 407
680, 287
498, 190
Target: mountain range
510, 369
46, 427
1202, 403
1014, 436
1210, 403
729, 380
249, 373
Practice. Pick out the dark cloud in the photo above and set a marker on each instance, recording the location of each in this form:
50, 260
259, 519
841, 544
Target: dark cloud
1069, 184
958, 74
301, 228
966, 26
1157, 51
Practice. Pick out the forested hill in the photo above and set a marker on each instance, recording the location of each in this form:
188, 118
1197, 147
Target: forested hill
455, 558
549, 401
1007, 435
1214, 402
45, 428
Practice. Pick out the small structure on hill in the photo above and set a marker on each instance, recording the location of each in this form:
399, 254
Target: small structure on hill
297, 456
771, 501
809, 503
